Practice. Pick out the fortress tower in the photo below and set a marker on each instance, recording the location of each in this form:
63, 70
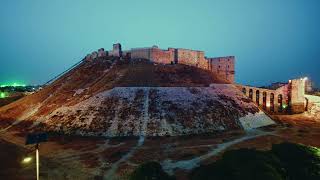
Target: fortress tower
223, 67
116, 51
296, 95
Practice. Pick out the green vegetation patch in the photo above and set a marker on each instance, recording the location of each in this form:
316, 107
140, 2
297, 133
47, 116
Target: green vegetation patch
150, 171
284, 161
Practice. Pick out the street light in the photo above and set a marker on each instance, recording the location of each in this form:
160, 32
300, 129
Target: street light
27, 160
36, 139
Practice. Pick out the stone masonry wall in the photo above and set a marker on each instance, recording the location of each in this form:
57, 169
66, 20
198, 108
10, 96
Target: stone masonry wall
190, 57
141, 53
289, 98
297, 88
162, 56
223, 67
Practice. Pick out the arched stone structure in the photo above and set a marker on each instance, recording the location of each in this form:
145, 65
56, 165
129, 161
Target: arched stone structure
307, 104
280, 102
264, 100
272, 102
267, 99
251, 94
244, 90
288, 98
257, 99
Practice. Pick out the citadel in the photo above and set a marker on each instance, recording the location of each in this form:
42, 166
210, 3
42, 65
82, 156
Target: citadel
221, 67
285, 98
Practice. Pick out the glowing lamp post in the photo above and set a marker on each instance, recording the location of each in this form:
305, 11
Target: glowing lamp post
26, 160
36, 139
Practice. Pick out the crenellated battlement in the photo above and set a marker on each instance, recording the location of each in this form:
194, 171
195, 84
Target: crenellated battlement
221, 67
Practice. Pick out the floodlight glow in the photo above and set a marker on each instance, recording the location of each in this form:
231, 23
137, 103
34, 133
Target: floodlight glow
3, 95
305, 78
15, 84
27, 160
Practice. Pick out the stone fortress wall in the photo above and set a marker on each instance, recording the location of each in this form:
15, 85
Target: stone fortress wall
222, 67
162, 56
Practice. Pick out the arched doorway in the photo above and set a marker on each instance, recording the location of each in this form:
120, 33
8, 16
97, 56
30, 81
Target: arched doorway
264, 100
307, 104
272, 102
257, 97
280, 108
244, 90
251, 94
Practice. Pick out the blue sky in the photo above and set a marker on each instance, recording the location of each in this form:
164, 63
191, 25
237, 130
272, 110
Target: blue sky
273, 40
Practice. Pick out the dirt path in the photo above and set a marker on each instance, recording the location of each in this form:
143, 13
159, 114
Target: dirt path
110, 174
169, 166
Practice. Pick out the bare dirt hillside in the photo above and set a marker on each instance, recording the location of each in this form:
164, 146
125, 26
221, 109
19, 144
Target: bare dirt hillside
110, 97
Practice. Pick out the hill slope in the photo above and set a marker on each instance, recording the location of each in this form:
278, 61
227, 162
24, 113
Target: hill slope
116, 98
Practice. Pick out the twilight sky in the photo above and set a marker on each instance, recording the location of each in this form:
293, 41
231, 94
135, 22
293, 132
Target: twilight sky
273, 40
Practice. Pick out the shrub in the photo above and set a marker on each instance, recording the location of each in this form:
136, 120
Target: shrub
150, 171
284, 161
300, 162
241, 164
